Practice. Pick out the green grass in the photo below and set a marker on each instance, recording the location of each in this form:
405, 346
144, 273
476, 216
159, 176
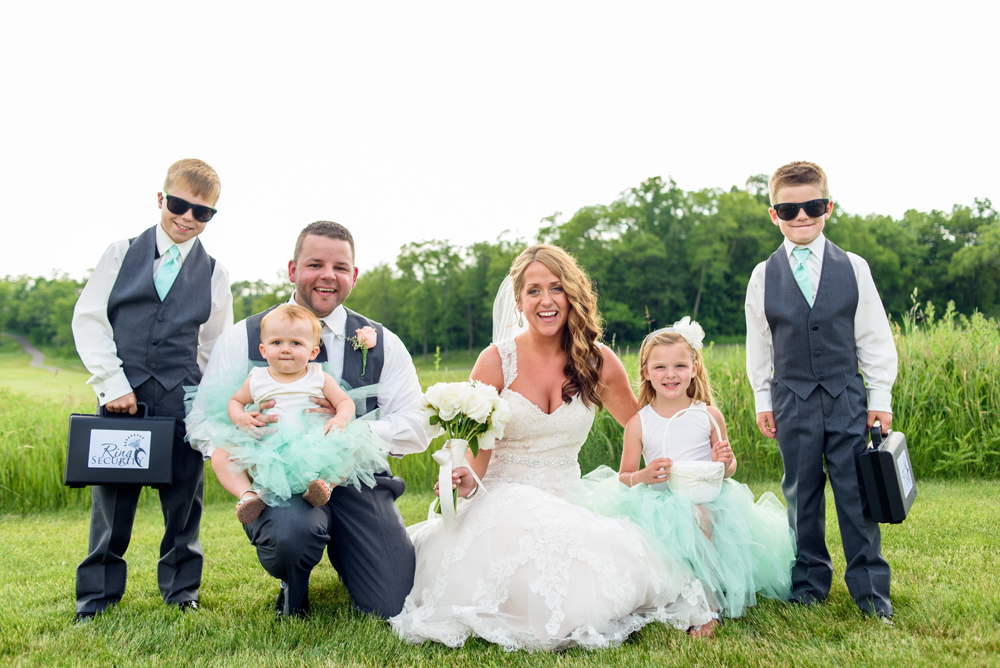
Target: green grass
455, 367
945, 563
68, 385
946, 591
946, 401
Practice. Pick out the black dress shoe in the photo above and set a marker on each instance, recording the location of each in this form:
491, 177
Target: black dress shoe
82, 618
279, 602
279, 606
807, 600
882, 616
188, 606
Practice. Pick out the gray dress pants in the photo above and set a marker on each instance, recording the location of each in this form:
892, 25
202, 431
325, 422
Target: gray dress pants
363, 534
101, 576
823, 428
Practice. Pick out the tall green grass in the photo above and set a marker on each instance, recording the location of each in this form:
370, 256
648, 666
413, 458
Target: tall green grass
946, 401
948, 404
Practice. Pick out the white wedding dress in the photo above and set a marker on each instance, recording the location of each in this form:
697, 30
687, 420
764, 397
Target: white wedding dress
525, 568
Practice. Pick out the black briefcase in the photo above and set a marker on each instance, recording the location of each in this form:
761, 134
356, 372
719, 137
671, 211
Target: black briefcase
119, 448
888, 476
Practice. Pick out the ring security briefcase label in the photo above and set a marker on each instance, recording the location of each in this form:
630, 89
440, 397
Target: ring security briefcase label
116, 449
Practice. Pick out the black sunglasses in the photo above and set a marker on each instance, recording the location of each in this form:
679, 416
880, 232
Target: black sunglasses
179, 207
788, 210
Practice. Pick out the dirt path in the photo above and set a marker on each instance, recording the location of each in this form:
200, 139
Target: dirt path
37, 357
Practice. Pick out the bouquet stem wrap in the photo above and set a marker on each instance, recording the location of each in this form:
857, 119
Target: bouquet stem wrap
450, 457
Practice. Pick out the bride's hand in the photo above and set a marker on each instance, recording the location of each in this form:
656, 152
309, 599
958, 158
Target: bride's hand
461, 479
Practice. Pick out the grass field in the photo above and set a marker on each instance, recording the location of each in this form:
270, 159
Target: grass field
946, 590
69, 385
946, 587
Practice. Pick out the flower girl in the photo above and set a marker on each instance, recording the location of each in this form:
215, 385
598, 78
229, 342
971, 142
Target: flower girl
685, 495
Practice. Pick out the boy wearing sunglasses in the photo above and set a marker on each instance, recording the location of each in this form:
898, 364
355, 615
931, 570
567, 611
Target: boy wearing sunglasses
144, 326
814, 318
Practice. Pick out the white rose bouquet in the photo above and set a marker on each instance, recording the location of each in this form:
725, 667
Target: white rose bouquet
470, 411
471, 414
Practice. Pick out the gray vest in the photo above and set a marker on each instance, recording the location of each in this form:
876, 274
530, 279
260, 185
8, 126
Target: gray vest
812, 346
351, 377
160, 339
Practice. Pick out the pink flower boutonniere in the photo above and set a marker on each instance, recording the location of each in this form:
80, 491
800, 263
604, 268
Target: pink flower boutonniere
364, 341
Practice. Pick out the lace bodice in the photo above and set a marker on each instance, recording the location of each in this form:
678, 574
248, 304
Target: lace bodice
538, 448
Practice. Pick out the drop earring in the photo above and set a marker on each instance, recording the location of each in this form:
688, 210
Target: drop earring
520, 318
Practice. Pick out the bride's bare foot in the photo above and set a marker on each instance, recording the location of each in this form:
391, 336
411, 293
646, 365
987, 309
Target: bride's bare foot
317, 494
249, 507
706, 630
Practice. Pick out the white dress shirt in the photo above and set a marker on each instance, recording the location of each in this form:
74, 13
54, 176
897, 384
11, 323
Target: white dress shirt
873, 341
92, 330
399, 394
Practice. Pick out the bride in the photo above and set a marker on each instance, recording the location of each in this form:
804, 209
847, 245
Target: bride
523, 567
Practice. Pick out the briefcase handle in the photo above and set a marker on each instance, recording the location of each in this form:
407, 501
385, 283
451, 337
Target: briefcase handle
877, 437
142, 410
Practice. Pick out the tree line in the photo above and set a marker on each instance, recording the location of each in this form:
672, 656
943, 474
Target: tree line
655, 254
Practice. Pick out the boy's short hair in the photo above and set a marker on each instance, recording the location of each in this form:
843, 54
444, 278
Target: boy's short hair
197, 175
798, 173
324, 228
291, 312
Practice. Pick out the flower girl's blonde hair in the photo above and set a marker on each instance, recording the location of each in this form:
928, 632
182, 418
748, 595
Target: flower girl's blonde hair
700, 388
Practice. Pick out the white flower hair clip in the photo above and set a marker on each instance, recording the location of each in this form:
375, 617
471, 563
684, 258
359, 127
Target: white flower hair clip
690, 330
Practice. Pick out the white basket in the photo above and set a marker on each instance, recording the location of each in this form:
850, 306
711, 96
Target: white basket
697, 481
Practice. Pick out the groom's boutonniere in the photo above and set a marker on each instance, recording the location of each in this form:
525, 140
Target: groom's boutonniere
364, 340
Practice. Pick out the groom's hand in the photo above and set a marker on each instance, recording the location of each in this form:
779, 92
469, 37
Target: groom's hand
322, 406
259, 413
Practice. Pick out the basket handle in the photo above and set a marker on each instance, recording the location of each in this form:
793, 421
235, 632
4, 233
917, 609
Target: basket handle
697, 409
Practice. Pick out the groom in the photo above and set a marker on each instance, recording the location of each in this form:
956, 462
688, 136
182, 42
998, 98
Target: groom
362, 531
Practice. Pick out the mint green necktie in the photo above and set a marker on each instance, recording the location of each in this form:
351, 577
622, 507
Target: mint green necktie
801, 273
167, 272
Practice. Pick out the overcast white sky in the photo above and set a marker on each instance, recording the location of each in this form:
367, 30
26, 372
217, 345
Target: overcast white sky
457, 120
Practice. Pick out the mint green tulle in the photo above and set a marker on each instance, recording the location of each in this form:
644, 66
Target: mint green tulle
293, 452
739, 548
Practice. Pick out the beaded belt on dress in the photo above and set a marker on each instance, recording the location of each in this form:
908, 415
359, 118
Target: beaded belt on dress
535, 462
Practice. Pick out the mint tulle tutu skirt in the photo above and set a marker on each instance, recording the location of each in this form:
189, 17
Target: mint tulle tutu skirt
283, 462
738, 547
294, 451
